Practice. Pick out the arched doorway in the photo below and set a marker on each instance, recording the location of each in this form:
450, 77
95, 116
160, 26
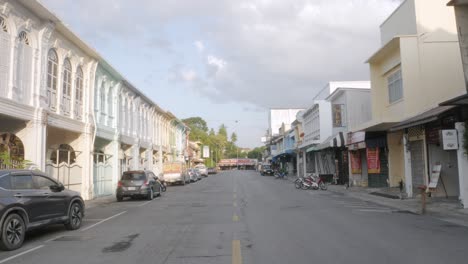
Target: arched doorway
62, 165
103, 171
11, 152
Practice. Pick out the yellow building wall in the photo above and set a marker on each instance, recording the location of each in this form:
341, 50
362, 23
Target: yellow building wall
396, 162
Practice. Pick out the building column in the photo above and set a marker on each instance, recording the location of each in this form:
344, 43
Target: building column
407, 164
135, 164
34, 138
85, 160
462, 159
114, 148
304, 157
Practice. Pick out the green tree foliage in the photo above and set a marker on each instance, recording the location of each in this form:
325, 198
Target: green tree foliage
256, 153
233, 137
220, 146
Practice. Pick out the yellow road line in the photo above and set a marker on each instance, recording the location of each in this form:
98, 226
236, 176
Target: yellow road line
235, 196
236, 252
235, 218
235, 204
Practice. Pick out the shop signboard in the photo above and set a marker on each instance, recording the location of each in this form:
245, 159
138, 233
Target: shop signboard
373, 161
355, 162
356, 137
450, 139
206, 151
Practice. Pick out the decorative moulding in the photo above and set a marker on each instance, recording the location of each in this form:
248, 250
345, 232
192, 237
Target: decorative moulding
5, 8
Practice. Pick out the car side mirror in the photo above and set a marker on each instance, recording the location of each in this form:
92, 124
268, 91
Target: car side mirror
57, 188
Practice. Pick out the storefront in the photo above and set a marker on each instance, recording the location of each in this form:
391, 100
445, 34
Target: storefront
368, 156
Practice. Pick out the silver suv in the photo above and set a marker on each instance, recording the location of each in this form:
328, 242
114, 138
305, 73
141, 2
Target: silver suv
202, 169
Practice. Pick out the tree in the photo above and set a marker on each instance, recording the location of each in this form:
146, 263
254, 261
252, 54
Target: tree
196, 123
256, 153
233, 137
222, 131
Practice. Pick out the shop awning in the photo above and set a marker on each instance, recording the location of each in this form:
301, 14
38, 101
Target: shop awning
426, 117
313, 148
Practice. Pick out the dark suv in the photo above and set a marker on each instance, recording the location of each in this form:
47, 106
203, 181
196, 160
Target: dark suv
138, 183
267, 170
30, 199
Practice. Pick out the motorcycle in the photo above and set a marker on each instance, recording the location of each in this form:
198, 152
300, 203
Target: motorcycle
162, 183
310, 182
280, 174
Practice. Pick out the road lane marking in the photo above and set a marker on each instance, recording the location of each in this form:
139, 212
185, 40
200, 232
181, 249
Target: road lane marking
235, 196
235, 218
235, 204
375, 210
145, 203
236, 252
52, 239
21, 254
93, 219
102, 221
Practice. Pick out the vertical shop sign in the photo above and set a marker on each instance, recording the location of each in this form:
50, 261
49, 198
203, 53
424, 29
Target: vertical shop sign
356, 162
373, 161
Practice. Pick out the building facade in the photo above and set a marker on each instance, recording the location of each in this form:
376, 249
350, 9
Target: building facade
67, 111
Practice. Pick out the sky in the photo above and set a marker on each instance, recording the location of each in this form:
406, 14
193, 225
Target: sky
230, 61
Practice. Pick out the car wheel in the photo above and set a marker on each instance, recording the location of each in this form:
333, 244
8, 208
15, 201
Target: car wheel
150, 195
13, 232
75, 217
119, 198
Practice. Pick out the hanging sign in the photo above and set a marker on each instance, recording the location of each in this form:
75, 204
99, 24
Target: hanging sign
206, 151
355, 162
450, 139
373, 161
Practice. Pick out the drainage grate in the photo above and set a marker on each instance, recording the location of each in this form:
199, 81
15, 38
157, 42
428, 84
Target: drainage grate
72, 238
391, 196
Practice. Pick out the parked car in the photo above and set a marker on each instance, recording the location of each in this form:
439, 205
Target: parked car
138, 184
175, 172
202, 169
31, 199
194, 175
267, 170
212, 170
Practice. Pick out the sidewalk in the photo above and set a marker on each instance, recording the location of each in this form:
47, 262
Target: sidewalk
100, 201
448, 210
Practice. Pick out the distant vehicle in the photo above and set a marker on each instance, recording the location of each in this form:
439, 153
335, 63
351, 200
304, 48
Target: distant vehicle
30, 199
212, 170
194, 175
138, 184
267, 170
203, 170
175, 172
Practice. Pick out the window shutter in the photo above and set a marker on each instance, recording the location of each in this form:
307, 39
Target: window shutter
4, 62
26, 73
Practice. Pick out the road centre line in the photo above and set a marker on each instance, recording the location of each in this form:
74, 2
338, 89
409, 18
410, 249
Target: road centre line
21, 254
102, 221
236, 252
235, 218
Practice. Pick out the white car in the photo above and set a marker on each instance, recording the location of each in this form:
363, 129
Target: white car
202, 169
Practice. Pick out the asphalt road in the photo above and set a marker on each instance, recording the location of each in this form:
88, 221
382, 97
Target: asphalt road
242, 217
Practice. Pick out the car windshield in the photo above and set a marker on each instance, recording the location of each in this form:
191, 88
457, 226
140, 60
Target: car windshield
134, 176
266, 167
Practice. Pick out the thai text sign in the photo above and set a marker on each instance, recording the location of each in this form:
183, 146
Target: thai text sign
355, 162
373, 161
450, 139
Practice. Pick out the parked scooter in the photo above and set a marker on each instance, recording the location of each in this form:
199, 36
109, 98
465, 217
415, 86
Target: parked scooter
310, 182
281, 174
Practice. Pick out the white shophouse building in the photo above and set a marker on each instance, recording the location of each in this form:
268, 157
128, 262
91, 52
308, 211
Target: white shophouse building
66, 110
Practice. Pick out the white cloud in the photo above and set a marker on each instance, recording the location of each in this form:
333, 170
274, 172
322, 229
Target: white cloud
189, 75
199, 45
279, 51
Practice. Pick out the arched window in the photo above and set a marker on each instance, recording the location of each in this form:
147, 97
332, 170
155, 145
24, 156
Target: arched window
3, 25
23, 73
52, 73
110, 105
66, 86
102, 96
79, 93
4, 57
